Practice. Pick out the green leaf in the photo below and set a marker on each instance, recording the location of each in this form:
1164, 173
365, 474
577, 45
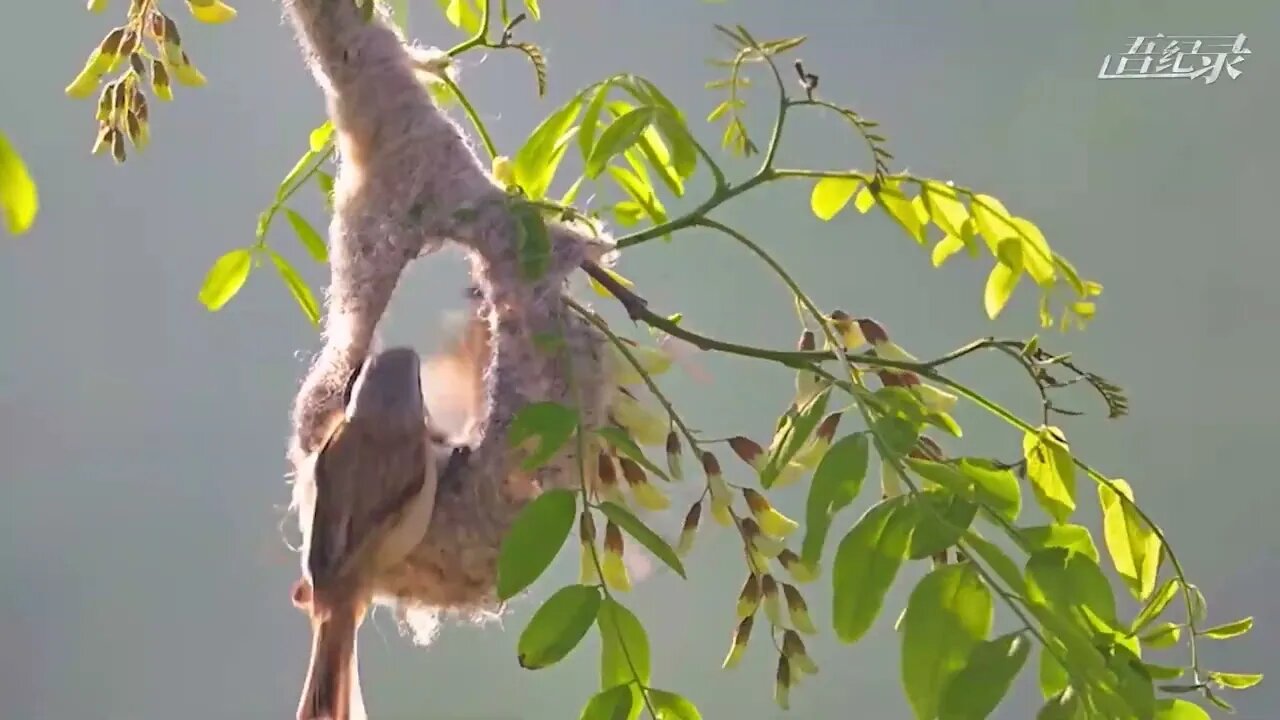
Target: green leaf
1000, 563
550, 422
1162, 635
307, 236
616, 703
558, 626
535, 12
1155, 605
942, 517
303, 165
903, 210
1229, 630
1164, 672
1063, 706
949, 245
975, 479
618, 137
949, 612
622, 636
898, 435
1065, 581
641, 532
297, 287
534, 540
1179, 709
1051, 471
684, 154
19, 198
641, 192
1134, 547
325, 181
1003, 278
591, 119
1037, 256
225, 278
535, 163
1075, 538
533, 243
670, 706
836, 482
622, 442
866, 563
831, 194
993, 221
792, 435
1235, 681
1053, 677
975, 691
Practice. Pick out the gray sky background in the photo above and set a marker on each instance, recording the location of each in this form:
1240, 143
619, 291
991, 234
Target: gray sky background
142, 437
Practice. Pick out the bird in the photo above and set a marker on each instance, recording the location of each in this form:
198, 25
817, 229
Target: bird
365, 499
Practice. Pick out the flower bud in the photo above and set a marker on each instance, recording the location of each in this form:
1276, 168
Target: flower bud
798, 569
782, 683
897, 378
741, 637
211, 11
772, 600
772, 522
160, 84
504, 171
872, 331
652, 360
187, 74
794, 650
117, 146
720, 498
749, 597
766, 545
615, 571
97, 6
798, 610
808, 341
813, 451
926, 449
675, 468
608, 485
646, 426
750, 452
890, 481
849, 330
647, 496
690, 529
128, 43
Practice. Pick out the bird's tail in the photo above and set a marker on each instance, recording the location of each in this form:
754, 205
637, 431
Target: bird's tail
331, 684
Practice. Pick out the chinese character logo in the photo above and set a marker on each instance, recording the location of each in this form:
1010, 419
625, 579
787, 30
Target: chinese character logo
1178, 56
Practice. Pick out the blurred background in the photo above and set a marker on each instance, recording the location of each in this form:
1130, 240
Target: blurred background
142, 572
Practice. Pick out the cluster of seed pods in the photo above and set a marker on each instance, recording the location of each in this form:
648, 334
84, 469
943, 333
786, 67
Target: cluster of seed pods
149, 48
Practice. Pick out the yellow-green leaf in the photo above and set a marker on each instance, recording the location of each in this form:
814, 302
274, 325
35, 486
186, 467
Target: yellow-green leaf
320, 137
535, 163
1229, 630
18, 196
974, 692
1162, 635
225, 278
461, 14
946, 247
1003, 278
1075, 538
831, 194
641, 192
1179, 709
864, 200
866, 563
535, 12
1156, 605
1038, 258
992, 220
902, 209
652, 542
308, 236
297, 287
945, 209
618, 137
671, 706
1051, 470
1132, 543
836, 482
617, 703
1235, 681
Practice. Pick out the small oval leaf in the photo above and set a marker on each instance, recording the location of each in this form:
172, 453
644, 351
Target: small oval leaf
831, 194
225, 278
836, 482
534, 540
307, 236
974, 692
632, 525
551, 423
558, 626
18, 196
616, 703
623, 643
618, 137
948, 613
865, 565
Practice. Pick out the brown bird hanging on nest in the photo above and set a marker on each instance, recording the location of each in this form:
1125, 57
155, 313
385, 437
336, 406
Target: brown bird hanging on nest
365, 498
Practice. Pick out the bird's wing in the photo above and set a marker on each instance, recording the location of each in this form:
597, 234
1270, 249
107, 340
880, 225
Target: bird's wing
363, 480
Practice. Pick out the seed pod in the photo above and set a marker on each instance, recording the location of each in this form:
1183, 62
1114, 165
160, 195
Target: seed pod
772, 600
136, 135
128, 43
772, 522
794, 650
808, 341
103, 140
138, 65
749, 597
211, 11
789, 474
690, 529
720, 499
110, 45
766, 545
749, 451
160, 80
782, 683
186, 73
849, 330
168, 30
106, 102
645, 425
647, 496
798, 610
741, 636
816, 448
117, 146
588, 574
675, 467
615, 571
608, 485
799, 570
